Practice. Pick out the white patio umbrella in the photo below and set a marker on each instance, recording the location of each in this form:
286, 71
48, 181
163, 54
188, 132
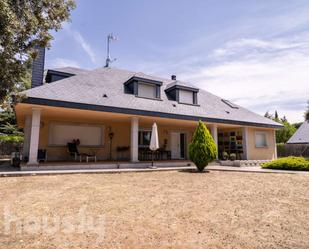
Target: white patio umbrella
154, 141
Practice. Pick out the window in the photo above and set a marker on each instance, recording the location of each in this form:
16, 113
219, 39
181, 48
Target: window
89, 135
146, 90
141, 87
144, 137
186, 97
195, 98
260, 139
229, 103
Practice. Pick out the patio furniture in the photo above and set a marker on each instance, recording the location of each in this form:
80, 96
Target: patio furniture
72, 148
123, 153
42, 155
145, 154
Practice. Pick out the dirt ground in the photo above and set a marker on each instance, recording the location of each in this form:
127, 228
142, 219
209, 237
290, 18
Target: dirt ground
155, 210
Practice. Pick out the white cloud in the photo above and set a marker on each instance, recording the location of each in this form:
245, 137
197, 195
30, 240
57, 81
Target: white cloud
77, 36
61, 62
263, 75
245, 44
85, 45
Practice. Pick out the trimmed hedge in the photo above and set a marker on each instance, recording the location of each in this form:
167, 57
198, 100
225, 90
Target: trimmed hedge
288, 163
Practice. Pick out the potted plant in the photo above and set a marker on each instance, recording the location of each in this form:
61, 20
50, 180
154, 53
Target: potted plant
225, 155
232, 156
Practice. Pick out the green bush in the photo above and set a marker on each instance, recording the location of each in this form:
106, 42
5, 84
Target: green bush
11, 138
288, 163
202, 149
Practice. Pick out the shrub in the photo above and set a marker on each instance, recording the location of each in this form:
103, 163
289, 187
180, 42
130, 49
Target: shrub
11, 138
202, 149
233, 156
225, 155
288, 163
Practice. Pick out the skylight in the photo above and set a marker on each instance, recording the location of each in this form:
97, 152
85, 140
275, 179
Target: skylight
229, 103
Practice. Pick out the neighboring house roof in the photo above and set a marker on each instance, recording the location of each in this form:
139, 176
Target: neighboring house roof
86, 91
301, 136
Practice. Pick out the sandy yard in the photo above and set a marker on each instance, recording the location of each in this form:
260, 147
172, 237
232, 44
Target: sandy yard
155, 210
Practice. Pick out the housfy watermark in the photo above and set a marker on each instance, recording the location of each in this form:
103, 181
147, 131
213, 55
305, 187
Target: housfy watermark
79, 223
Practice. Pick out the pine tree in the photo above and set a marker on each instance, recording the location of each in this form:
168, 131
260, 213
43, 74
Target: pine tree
202, 149
276, 115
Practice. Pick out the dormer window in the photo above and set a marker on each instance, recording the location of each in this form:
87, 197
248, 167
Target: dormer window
182, 92
144, 88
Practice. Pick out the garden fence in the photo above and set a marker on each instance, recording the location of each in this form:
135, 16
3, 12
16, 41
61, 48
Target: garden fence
284, 150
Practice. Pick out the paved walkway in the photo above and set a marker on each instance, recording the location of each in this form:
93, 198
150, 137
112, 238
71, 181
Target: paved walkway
255, 169
14, 173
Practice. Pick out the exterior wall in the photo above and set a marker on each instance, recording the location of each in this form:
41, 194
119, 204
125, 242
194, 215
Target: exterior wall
266, 153
121, 138
164, 132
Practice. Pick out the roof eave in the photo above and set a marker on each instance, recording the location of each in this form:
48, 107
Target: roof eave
82, 106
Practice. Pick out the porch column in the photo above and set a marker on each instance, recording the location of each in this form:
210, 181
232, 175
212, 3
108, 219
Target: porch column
27, 131
214, 134
245, 143
134, 139
34, 136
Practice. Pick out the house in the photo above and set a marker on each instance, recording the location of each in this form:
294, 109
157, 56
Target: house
301, 136
111, 111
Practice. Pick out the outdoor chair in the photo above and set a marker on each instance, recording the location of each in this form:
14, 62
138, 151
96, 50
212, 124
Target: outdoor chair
42, 155
72, 148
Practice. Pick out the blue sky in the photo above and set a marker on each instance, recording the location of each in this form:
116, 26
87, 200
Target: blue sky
255, 53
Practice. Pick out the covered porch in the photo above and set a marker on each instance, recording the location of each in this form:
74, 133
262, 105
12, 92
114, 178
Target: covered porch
115, 137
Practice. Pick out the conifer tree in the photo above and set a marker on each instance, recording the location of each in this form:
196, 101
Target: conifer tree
202, 149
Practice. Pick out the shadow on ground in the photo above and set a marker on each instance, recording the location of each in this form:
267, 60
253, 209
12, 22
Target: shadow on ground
193, 171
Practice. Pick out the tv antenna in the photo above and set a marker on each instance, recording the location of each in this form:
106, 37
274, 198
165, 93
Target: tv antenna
110, 38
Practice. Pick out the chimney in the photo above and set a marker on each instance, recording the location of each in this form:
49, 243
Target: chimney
173, 77
38, 68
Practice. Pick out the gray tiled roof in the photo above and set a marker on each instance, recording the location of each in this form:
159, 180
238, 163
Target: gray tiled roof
70, 70
301, 135
179, 83
89, 88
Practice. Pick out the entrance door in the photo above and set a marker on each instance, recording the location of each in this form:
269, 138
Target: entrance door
178, 145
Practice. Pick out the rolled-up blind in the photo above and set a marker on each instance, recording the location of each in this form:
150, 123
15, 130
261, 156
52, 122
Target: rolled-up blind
89, 135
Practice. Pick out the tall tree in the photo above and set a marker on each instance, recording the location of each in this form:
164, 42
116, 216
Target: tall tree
23, 25
267, 115
284, 134
284, 119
